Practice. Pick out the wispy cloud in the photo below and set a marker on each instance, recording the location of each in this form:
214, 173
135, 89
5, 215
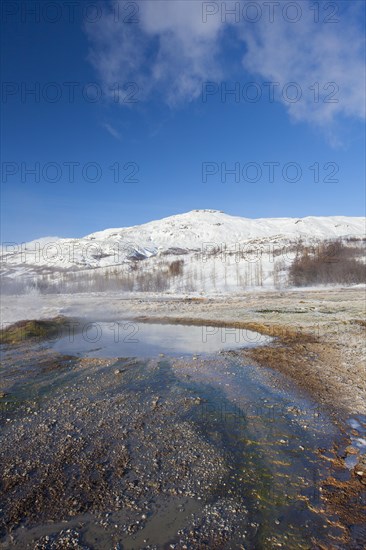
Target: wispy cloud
115, 133
171, 51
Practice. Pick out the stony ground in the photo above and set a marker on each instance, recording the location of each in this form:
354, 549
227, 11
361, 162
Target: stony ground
106, 453
109, 444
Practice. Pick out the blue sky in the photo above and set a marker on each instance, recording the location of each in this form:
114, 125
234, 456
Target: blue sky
173, 143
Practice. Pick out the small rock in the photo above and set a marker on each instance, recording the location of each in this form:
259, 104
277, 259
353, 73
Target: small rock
154, 402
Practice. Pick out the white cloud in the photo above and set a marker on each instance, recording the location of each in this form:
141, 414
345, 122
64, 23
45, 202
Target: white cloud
171, 52
307, 52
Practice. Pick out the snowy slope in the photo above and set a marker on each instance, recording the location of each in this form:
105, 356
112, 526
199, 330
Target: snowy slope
189, 236
191, 229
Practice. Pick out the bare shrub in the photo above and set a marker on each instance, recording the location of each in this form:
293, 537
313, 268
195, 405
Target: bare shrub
331, 263
176, 268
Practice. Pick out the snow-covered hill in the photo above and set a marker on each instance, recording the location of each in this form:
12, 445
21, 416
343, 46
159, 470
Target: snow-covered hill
214, 250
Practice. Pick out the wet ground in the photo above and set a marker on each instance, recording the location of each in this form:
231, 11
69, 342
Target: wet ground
191, 451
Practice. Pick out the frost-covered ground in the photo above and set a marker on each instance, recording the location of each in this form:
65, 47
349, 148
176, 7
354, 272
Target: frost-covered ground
231, 307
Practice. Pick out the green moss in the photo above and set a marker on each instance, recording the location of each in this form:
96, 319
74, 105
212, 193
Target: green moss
31, 330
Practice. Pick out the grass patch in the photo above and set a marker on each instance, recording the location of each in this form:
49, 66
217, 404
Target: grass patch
31, 330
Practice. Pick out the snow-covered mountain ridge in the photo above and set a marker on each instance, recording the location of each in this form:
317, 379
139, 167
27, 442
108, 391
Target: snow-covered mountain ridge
196, 238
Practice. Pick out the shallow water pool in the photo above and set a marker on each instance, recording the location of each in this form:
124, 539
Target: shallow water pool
132, 339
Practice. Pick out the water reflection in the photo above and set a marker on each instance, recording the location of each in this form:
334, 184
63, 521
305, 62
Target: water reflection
131, 339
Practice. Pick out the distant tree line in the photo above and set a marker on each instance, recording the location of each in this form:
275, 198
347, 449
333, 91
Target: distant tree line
135, 278
329, 263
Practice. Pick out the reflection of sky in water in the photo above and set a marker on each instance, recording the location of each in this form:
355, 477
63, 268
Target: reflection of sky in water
130, 339
358, 439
